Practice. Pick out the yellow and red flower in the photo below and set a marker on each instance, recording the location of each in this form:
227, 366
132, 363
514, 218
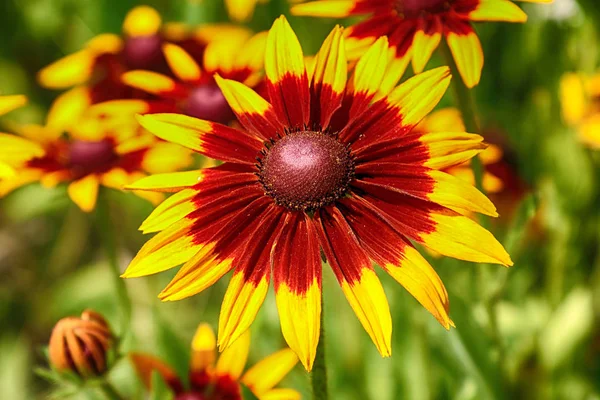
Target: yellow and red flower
80, 345
222, 380
96, 70
8, 104
324, 165
415, 28
193, 91
95, 152
580, 99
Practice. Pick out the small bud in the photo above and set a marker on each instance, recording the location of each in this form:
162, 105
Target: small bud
80, 345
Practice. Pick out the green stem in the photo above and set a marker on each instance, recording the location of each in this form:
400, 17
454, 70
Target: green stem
319, 372
108, 237
109, 391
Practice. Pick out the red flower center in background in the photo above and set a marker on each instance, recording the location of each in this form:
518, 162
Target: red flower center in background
190, 396
415, 8
143, 52
306, 170
207, 102
87, 157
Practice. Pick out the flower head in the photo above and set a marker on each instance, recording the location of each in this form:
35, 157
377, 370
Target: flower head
580, 100
96, 70
222, 379
193, 90
80, 345
328, 164
95, 152
415, 28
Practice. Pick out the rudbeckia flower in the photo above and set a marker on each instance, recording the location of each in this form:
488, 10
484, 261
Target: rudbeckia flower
81, 345
580, 100
193, 91
109, 153
8, 104
96, 70
322, 166
415, 28
224, 379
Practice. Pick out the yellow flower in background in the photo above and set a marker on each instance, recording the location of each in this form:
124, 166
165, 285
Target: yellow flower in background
222, 379
80, 345
95, 72
238, 55
242, 10
415, 28
8, 104
580, 100
327, 166
90, 153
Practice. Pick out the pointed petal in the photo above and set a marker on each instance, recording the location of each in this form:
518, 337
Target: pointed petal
325, 8
446, 149
287, 81
393, 252
233, 359
355, 274
70, 70
208, 138
68, 108
267, 373
297, 278
250, 281
204, 346
181, 63
151, 82
253, 112
281, 394
84, 192
427, 39
142, 21
329, 78
10, 103
466, 50
497, 10
168, 183
169, 211
240, 10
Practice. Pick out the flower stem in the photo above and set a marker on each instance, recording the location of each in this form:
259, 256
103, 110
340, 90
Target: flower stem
466, 104
109, 391
107, 235
319, 372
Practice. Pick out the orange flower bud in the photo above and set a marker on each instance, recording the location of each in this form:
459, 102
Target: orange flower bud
80, 344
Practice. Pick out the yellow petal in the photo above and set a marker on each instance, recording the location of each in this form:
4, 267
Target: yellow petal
151, 82
9, 103
240, 10
424, 44
280, 394
421, 280
416, 97
267, 373
325, 8
240, 306
447, 149
181, 63
370, 69
300, 318
171, 182
283, 54
67, 109
142, 21
497, 10
71, 70
204, 346
458, 195
169, 211
84, 192
368, 300
573, 98
460, 237
468, 54
233, 359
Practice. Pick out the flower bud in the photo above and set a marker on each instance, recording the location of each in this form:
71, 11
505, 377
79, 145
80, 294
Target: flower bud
81, 344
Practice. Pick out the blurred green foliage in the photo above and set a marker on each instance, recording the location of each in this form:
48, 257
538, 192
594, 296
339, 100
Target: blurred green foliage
531, 332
